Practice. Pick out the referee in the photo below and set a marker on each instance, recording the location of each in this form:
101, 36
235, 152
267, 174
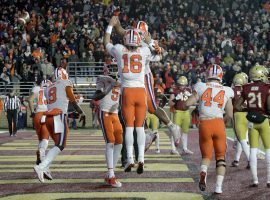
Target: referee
11, 105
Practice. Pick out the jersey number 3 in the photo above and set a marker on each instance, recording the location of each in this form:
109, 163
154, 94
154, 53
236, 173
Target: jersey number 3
207, 97
133, 64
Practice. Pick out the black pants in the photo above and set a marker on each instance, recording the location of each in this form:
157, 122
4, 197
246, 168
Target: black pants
12, 117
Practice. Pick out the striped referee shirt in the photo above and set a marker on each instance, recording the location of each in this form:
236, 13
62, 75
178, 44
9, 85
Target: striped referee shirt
11, 103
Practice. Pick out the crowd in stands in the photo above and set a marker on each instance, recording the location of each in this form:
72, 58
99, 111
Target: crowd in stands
232, 33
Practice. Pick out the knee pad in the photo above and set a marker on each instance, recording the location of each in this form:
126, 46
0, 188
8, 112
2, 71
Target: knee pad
61, 147
220, 163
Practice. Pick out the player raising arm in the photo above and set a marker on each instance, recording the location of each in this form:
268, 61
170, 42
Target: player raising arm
213, 99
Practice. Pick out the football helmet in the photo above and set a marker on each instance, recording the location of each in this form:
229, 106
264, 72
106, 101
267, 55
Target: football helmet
132, 38
141, 27
245, 76
182, 81
214, 72
258, 73
60, 74
239, 80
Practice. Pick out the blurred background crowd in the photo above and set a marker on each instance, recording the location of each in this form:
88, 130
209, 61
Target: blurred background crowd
232, 33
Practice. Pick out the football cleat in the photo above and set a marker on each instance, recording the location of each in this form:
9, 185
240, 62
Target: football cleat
254, 185
128, 167
113, 182
149, 139
235, 163
268, 185
186, 152
140, 168
218, 190
202, 183
174, 152
47, 174
40, 173
248, 166
157, 151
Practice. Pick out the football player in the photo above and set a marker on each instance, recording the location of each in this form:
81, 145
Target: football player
58, 94
213, 99
181, 113
239, 120
142, 28
37, 113
257, 96
131, 61
108, 92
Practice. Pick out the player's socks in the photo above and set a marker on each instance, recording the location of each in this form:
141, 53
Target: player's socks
172, 143
245, 148
157, 139
219, 181
116, 153
129, 140
204, 168
253, 164
184, 140
267, 158
42, 146
109, 155
141, 143
238, 152
52, 153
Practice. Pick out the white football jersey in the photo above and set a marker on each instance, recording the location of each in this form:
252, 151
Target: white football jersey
41, 99
57, 96
153, 58
110, 102
212, 99
131, 64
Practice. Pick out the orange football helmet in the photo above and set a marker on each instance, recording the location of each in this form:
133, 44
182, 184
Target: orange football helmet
141, 27
132, 38
214, 72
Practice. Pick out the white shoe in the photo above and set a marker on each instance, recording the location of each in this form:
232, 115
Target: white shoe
113, 182
149, 139
47, 174
175, 131
157, 151
39, 173
218, 190
260, 156
187, 152
174, 152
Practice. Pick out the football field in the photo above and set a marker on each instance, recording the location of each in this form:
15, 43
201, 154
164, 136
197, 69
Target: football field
80, 169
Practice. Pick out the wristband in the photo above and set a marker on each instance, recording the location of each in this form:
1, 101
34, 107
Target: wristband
109, 29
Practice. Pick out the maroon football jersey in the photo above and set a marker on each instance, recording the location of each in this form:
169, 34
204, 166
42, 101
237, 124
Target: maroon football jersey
181, 94
256, 96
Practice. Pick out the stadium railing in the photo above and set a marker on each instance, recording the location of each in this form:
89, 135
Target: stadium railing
21, 88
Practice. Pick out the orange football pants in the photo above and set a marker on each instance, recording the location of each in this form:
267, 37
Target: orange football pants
212, 134
111, 127
133, 105
41, 128
60, 139
149, 85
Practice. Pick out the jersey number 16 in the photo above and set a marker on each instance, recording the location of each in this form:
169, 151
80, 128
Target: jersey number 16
133, 64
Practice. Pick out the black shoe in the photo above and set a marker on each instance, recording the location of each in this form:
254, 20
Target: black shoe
202, 183
254, 185
268, 185
248, 166
235, 163
140, 168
